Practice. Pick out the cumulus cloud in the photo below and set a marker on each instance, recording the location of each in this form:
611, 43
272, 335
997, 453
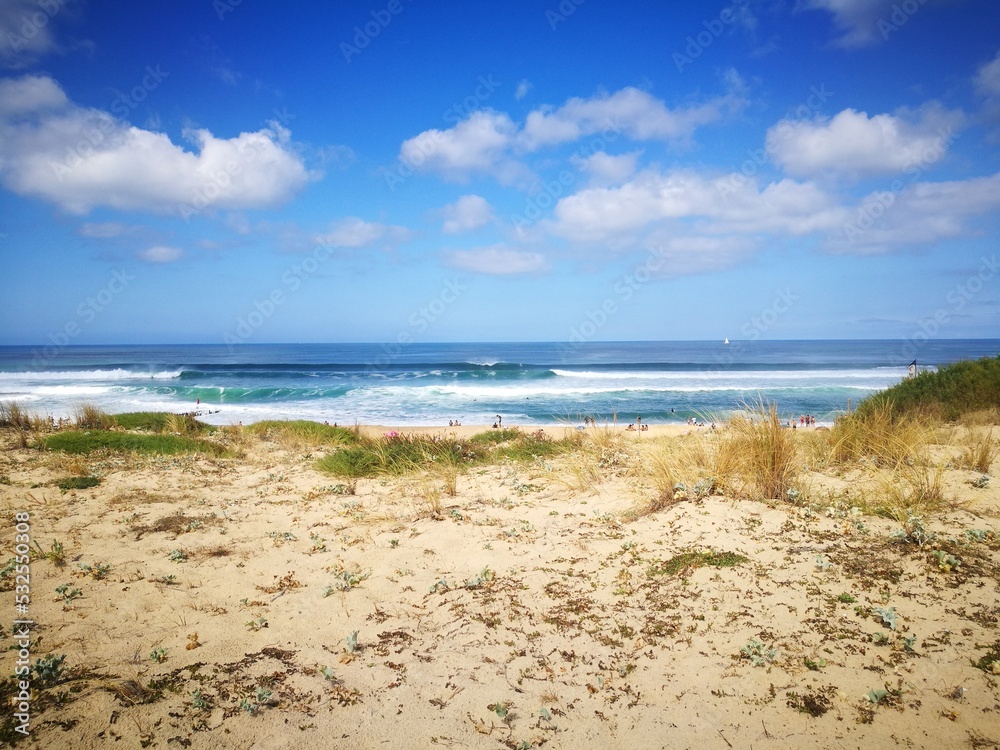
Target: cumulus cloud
81, 158
635, 113
917, 214
26, 32
854, 143
857, 20
474, 144
987, 80
498, 260
488, 142
353, 232
607, 169
466, 214
722, 205
161, 254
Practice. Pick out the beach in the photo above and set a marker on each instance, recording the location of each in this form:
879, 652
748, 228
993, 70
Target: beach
257, 601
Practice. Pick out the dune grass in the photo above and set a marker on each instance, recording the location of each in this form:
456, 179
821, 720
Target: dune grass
756, 456
89, 441
879, 433
303, 433
402, 454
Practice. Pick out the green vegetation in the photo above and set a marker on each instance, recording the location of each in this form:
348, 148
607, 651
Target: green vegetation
756, 456
951, 393
680, 562
303, 432
88, 441
401, 454
77, 483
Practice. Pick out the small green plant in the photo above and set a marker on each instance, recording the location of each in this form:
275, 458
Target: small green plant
48, 669
880, 639
440, 587
328, 673
393, 543
352, 642
888, 616
485, 576
981, 481
823, 563
913, 531
281, 537
56, 555
846, 598
252, 704
877, 695
978, 535
167, 580
909, 643
68, 594
758, 654
945, 562
815, 664
500, 708
158, 654
200, 701
97, 572
259, 624
177, 556
345, 581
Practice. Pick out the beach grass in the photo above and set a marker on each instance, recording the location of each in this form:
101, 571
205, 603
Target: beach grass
90, 417
303, 433
89, 441
757, 457
881, 434
398, 454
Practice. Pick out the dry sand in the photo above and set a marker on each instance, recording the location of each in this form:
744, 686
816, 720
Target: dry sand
529, 611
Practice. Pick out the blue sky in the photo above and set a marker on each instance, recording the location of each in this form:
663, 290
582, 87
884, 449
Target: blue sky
249, 171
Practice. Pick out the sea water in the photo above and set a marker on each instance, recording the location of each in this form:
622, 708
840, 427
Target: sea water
430, 384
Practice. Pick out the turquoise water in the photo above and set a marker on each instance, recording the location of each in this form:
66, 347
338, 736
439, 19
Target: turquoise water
535, 383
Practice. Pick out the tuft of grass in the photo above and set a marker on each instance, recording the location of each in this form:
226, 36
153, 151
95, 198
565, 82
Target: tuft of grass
81, 441
90, 417
756, 455
979, 450
23, 422
673, 466
880, 434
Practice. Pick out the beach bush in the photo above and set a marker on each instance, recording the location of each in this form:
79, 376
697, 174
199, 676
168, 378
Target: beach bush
979, 450
756, 455
88, 441
23, 422
950, 393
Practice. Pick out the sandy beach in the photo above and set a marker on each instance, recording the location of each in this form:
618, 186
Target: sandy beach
253, 602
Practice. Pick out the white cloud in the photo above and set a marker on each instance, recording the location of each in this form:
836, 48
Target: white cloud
858, 20
466, 214
631, 111
607, 169
498, 260
29, 95
682, 255
523, 87
80, 158
987, 80
105, 230
25, 32
353, 232
161, 254
921, 213
474, 144
487, 141
853, 143
621, 214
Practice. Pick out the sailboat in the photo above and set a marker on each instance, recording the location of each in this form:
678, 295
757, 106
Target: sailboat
726, 341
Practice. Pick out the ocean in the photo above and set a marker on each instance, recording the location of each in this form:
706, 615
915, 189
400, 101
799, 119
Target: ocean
430, 384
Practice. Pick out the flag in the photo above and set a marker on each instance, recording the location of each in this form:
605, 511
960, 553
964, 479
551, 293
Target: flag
913, 369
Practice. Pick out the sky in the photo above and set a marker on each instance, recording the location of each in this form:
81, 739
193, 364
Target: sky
248, 171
